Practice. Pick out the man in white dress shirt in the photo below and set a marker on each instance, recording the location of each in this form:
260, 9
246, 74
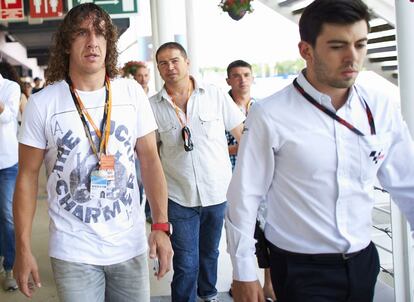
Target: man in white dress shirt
9, 108
315, 150
192, 117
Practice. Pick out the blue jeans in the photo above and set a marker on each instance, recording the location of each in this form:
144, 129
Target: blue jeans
195, 241
7, 183
126, 281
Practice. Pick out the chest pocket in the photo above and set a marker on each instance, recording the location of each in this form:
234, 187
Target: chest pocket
373, 150
170, 135
211, 124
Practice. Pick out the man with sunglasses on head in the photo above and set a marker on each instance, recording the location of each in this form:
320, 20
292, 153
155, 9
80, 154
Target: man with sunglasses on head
316, 149
192, 118
86, 126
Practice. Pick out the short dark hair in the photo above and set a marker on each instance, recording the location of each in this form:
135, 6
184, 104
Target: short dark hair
237, 63
171, 45
9, 72
58, 67
341, 12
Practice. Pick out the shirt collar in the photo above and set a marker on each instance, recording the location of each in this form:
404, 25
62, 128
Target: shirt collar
199, 87
323, 98
1, 80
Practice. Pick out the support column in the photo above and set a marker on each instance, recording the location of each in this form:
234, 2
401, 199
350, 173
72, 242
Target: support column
155, 43
162, 31
192, 36
402, 242
165, 20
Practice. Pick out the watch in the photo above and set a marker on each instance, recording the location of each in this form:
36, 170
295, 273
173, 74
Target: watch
165, 227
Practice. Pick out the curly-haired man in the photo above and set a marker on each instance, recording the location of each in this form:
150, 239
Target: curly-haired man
86, 125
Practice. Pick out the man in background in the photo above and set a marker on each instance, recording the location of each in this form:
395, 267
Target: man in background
192, 118
240, 79
9, 110
37, 85
142, 76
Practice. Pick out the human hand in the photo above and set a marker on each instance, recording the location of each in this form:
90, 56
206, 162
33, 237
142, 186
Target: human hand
247, 291
1, 107
160, 247
26, 273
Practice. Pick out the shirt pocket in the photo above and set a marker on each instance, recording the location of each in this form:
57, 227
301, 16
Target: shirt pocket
170, 135
211, 125
373, 151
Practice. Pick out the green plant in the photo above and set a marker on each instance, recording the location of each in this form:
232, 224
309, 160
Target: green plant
236, 8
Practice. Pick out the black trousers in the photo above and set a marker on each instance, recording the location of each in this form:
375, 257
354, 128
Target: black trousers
324, 277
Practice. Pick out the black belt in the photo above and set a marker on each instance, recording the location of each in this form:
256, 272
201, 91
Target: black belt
330, 257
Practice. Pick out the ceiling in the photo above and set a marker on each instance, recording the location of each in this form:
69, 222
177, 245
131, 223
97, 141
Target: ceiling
37, 38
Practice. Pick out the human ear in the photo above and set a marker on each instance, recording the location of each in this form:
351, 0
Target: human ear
305, 50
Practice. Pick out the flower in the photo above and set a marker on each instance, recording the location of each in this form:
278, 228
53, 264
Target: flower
236, 6
131, 67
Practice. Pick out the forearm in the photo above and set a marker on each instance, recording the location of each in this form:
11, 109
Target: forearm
155, 188
24, 203
237, 132
24, 207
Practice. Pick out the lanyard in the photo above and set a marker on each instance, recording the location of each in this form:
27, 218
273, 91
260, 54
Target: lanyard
103, 133
249, 104
334, 115
177, 110
248, 107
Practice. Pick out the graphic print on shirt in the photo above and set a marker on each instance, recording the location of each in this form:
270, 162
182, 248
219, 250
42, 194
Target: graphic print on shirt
111, 213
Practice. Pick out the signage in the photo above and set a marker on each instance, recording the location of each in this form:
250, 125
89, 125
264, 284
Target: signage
11, 9
112, 7
46, 8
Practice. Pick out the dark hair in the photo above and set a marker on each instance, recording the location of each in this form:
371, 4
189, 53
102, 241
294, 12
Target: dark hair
58, 67
171, 45
237, 63
320, 12
9, 72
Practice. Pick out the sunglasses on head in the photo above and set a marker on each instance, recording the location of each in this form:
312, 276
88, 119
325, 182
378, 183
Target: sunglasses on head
188, 143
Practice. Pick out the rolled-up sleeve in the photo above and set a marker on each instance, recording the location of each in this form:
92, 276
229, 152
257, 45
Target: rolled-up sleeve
250, 183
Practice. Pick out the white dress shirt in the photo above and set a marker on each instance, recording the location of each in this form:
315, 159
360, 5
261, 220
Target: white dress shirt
199, 177
10, 98
315, 174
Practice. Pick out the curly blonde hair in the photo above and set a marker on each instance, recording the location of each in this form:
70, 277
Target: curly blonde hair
58, 66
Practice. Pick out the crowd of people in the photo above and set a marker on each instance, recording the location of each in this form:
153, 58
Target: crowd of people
291, 176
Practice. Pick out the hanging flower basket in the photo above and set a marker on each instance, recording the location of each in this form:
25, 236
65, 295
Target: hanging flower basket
236, 8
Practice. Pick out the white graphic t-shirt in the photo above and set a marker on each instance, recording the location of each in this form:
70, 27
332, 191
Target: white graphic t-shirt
105, 230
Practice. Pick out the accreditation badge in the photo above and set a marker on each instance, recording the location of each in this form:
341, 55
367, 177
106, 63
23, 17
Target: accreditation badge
107, 163
99, 184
